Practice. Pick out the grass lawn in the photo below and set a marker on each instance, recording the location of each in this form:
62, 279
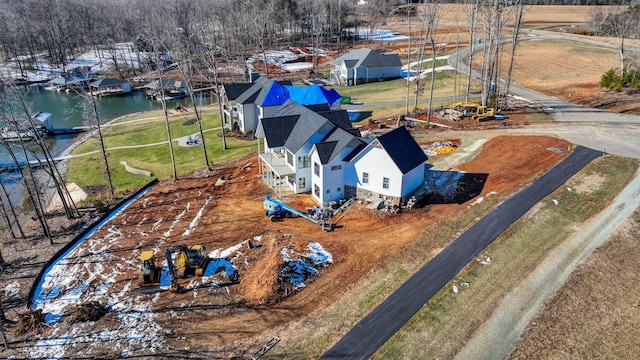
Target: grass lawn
396, 90
90, 170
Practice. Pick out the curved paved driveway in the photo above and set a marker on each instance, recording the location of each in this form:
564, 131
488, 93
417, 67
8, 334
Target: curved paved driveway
376, 328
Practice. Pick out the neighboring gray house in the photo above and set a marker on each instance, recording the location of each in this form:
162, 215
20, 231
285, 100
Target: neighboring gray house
230, 94
263, 97
365, 65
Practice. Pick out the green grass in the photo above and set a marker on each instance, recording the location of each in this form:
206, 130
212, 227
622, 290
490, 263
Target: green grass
90, 170
395, 90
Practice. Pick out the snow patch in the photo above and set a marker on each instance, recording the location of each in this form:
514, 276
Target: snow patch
195, 220
12, 289
298, 268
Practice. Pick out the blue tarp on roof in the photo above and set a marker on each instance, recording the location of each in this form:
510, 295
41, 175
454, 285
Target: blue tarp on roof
303, 95
313, 95
332, 95
277, 95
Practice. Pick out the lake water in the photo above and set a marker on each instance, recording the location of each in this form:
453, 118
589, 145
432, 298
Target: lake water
70, 110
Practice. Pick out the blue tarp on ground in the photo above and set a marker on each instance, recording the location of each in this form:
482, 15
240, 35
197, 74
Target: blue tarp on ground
303, 95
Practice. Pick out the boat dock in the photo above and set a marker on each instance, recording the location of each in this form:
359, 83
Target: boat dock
12, 167
72, 130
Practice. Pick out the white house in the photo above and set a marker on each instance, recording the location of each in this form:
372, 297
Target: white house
288, 139
365, 65
264, 97
391, 166
321, 153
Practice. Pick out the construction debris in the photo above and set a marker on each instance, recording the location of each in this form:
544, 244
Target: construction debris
32, 323
440, 148
92, 311
265, 348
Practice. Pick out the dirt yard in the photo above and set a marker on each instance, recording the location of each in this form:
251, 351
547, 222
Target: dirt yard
233, 317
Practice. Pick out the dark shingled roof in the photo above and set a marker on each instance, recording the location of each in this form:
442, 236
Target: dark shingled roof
252, 92
338, 117
108, 82
278, 129
325, 150
342, 139
403, 149
234, 90
367, 58
318, 107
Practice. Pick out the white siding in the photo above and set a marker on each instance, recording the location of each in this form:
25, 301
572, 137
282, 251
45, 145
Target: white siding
412, 180
268, 111
248, 120
302, 173
378, 164
315, 179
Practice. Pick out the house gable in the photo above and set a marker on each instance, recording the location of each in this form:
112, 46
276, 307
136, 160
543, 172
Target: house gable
233, 91
277, 130
403, 149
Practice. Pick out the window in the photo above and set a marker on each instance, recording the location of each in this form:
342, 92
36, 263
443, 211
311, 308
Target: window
316, 169
304, 162
289, 158
365, 178
301, 183
339, 189
336, 167
328, 191
385, 183
316, 190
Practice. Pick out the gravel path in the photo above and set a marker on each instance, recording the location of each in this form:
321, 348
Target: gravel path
500, 333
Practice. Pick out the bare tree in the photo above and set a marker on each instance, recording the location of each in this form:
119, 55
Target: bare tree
519, 12
620, 25
27, 172
24, 167
472, 15
431, 17
11, 206
48, 164
90, 102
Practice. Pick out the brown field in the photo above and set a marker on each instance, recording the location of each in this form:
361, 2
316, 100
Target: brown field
596, 314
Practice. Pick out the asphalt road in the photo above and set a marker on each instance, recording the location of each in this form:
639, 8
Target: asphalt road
376, 328
602, 130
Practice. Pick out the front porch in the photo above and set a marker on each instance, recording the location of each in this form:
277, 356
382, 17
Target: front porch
230, 117
275, 172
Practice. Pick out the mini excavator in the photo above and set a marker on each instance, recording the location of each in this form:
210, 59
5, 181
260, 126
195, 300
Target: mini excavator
151, 274
192, 260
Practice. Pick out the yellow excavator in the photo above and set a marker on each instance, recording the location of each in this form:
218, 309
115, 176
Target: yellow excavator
192, 260
478, 112
151, 274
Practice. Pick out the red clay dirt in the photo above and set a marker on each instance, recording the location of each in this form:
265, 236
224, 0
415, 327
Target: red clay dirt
236, 318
